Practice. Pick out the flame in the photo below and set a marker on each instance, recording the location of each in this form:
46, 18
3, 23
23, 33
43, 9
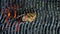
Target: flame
8, 13
14, 14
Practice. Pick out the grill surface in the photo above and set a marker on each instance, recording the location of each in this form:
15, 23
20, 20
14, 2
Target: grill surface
47, 20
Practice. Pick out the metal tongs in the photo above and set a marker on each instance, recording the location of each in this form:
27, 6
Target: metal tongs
20, 16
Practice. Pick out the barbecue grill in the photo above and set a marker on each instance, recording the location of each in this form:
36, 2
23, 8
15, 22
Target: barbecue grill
47, 17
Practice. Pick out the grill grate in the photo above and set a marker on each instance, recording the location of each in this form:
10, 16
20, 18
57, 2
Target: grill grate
47, 20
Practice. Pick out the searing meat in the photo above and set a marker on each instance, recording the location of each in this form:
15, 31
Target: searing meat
29, 17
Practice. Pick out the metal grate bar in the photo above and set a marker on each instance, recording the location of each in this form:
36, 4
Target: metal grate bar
47, 19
